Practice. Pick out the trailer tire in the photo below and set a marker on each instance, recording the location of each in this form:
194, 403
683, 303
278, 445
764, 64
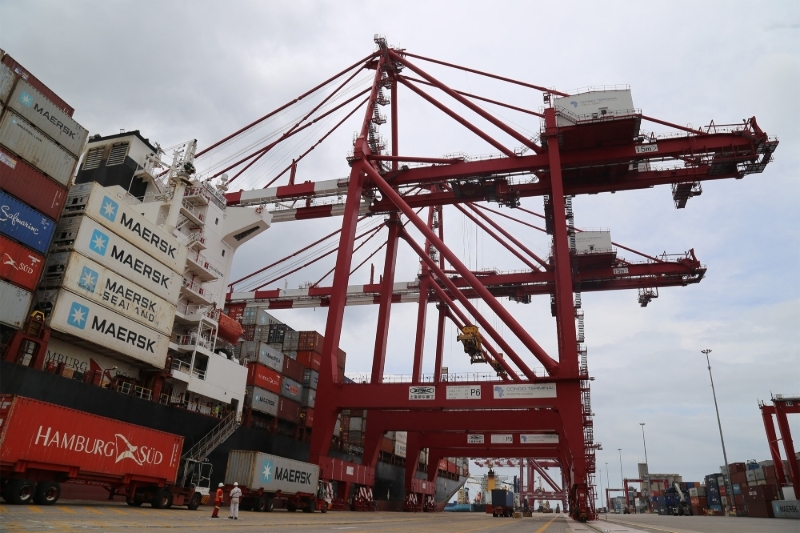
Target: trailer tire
291, 507
195, 502
324, 508
134, 503
270, 505
310, 507
47, 493
262, 504
162, 499
20, 491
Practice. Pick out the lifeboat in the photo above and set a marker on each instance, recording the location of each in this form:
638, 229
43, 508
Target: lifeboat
229, 329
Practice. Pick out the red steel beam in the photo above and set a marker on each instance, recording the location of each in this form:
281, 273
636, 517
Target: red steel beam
385, 305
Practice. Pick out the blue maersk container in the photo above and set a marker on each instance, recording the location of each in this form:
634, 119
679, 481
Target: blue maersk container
24, 224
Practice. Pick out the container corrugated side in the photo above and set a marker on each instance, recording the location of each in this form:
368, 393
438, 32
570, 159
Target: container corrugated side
257, 470
19, 136
19, 265
24, 224
15, 305
77, 316
263, 401
7, 78
264, 377
109, 210
84, 277
90, 239
23, 73
35, 431
291, 389
31, 104
31, 186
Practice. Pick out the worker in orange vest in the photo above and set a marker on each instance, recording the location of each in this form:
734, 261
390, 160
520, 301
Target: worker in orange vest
218, 500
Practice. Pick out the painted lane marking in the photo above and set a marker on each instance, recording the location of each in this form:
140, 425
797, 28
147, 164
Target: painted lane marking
544, 527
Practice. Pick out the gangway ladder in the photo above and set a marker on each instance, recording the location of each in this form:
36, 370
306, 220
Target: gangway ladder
203, 448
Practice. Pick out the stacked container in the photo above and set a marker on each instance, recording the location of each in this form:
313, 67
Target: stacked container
39, 147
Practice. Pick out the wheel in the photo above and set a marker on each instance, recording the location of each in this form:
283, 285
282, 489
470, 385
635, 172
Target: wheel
310, 507
162, 499
270, 505
47, 493
195, 502
134, 503
260, 505
20, 491
324, 508
291, 507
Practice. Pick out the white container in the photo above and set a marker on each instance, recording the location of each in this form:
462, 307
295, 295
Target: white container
401, 436
257, 470
263, 353
19, 136
356, 424
588, 242
309, 397
47, 117
593, 105
14, 306
400, 449
6, 82
84, 277
99, 204
77, 316
263, 401
90, 239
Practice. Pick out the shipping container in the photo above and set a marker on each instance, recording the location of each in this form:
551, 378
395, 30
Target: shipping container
309, 359
761, 492
19, 136
22, 72
356, 423
310, 341
292, 369
77, 316
291, 340
247, 332
263, 377
24, 224
400, 449
19, 265
309, 397
263, 401
7, 78
291, 389
261, 352
26, 183
16, 303
307, 414
81, 443
90, 239
46, 116
288, 410
84, 277
106, 208
272, 473
310, 378
760, 509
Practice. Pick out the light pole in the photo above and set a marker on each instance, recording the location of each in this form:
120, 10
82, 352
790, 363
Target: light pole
726, 478
601, 487
647, 465
608, 486
622, 479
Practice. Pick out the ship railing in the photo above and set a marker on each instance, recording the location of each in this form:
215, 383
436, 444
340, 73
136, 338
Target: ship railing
449, 377
198, 289
201, 374
181, 366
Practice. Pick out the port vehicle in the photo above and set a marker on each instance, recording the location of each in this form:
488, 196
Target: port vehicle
683, 508
502, 503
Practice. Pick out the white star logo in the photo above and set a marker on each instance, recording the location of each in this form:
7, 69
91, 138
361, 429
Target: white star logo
267, 472
99, 243
77, 316
108, 209
26, 99
88, 280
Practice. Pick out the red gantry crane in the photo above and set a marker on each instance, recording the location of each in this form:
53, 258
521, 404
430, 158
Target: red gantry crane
587, 143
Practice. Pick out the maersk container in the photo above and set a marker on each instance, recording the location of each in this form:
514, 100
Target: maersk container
19, 136
73, 315
19, 265
15, 305
24, 224
84, 277
263, 401
31, 186
257, 470
81, 444
22, 72
31, 104
291, 389
7, 78
95, 201
90, 239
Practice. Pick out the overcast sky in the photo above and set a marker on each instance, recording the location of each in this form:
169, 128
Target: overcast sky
183, 70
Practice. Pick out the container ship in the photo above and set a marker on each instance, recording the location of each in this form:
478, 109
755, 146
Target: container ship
115, 265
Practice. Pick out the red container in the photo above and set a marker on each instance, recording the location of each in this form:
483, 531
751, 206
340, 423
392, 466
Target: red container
22, 72
338, 470
736, 467
310, 341
264, 377
248, 331
19, 265
292, 369
739, 501
769, 474
85, 445
387, 445
24, 182
739, 478
699, 501
311, 360
451, 467
723, 490
288, 410
760, 509
341, 359
307, 414
443, 465
764, 493
236, 311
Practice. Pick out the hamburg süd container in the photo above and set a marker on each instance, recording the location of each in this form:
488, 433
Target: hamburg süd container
291, 389
90, 239
109, 210
23, 73
15, 304
257, 470
84, 277
19, 265
264, 377
263, 401
82, 443
19, 136
26, 183
24, 224
31, 104
90, 322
